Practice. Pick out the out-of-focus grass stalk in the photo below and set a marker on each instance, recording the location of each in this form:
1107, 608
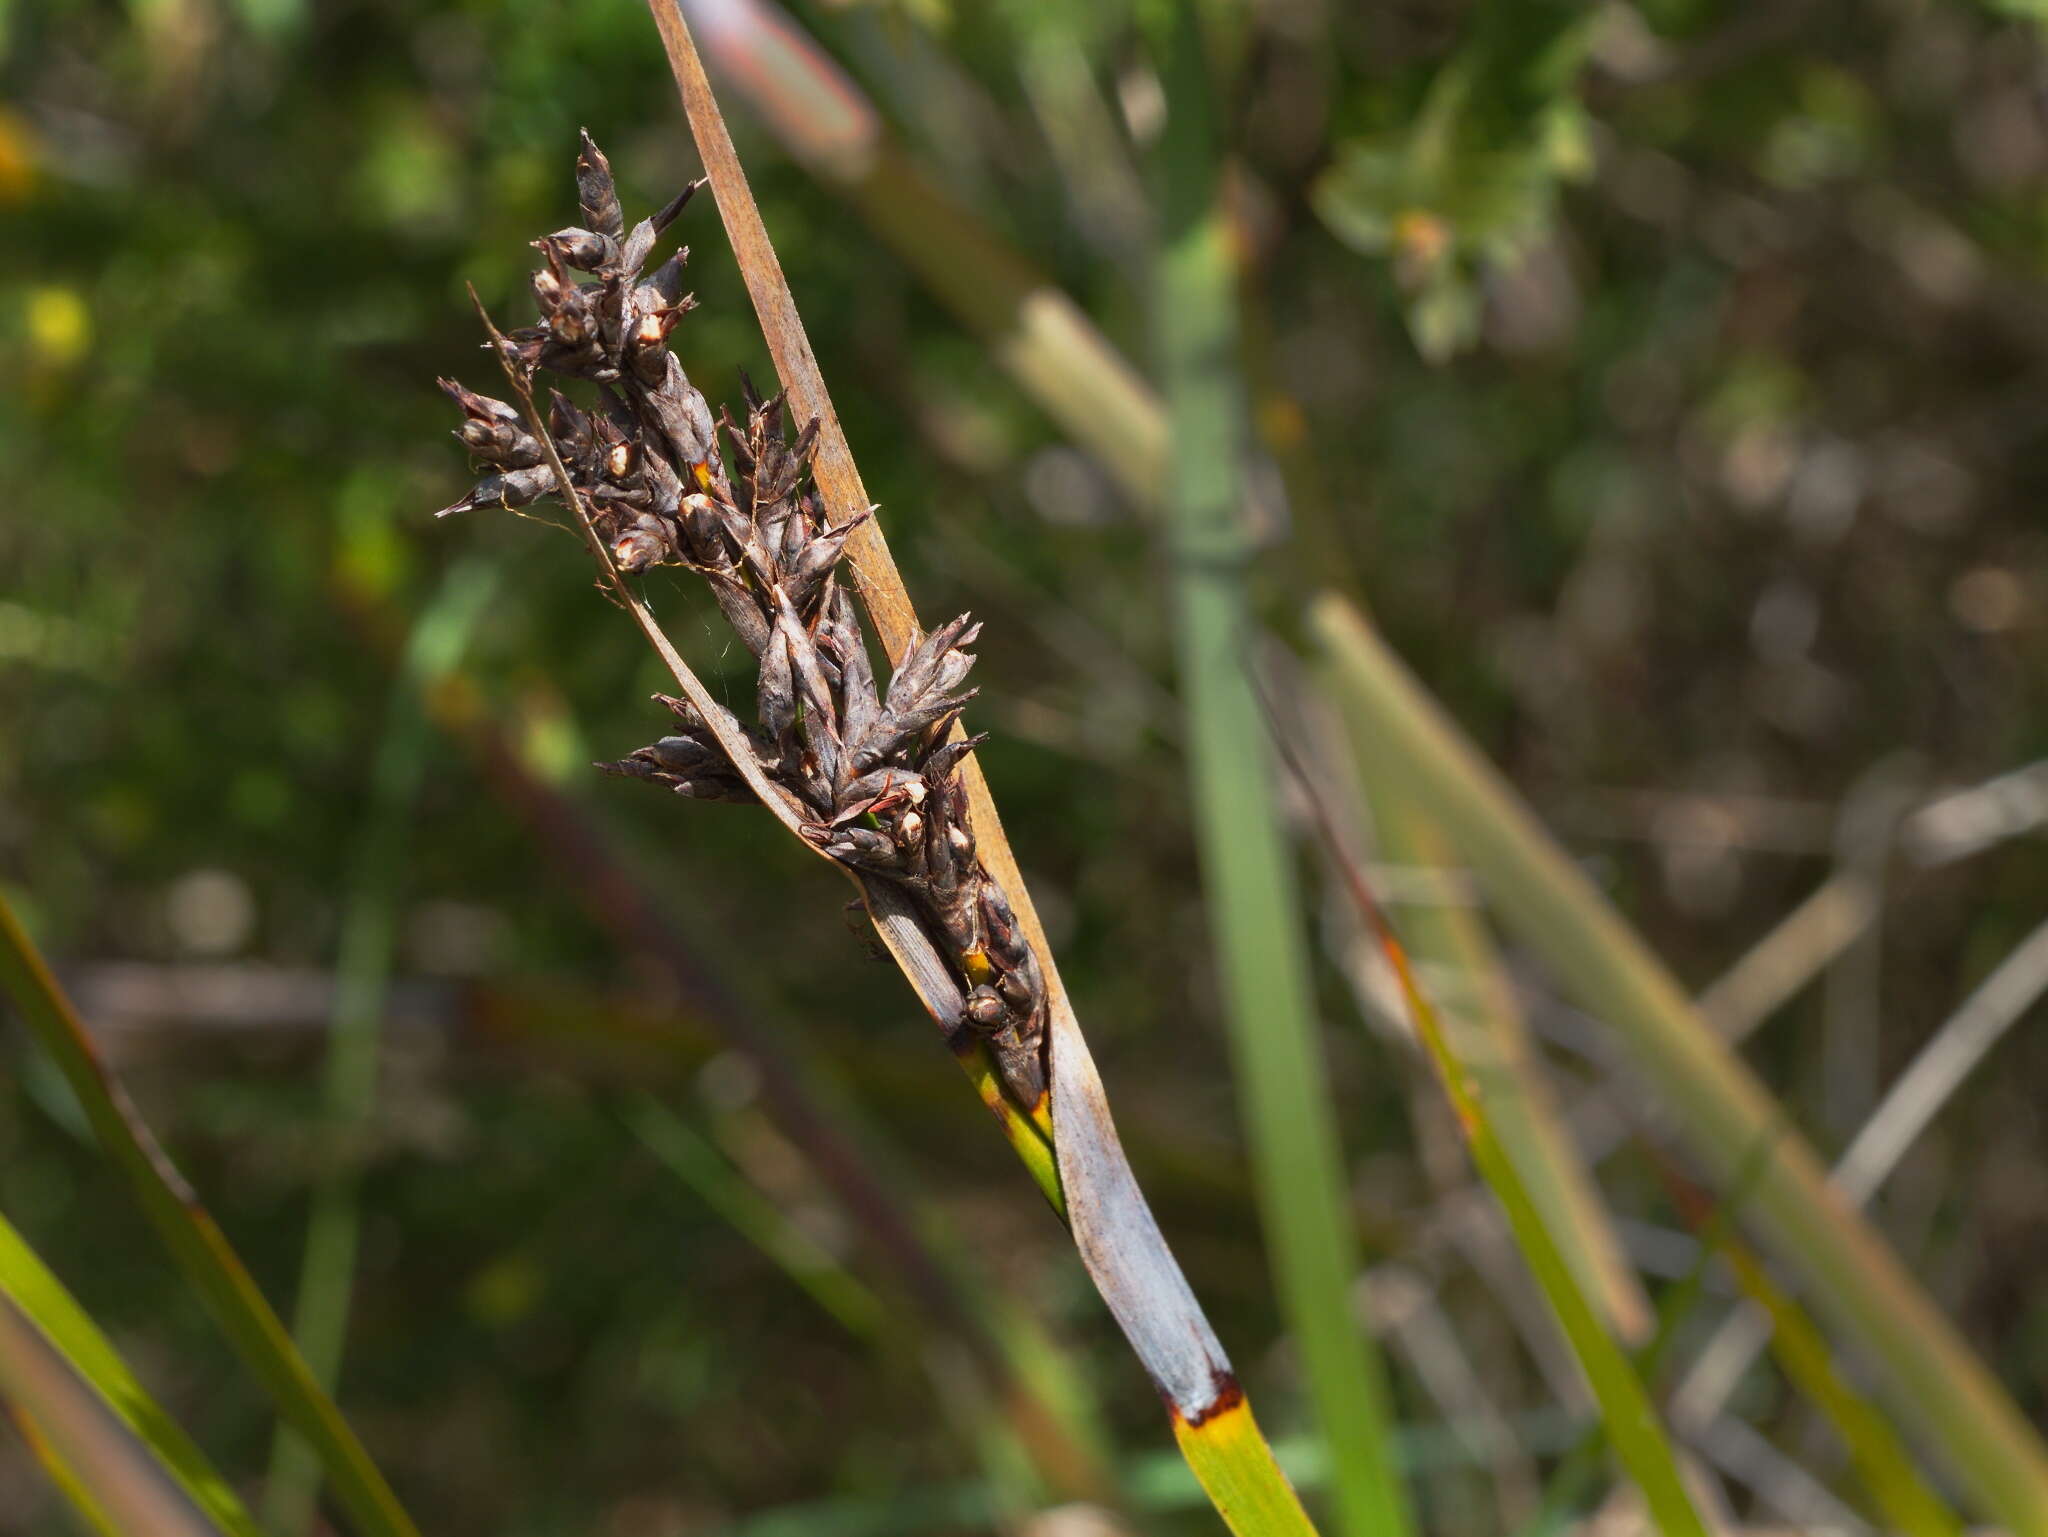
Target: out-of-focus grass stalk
194, 1240
686, 1154
369, 928
1944, 1060
1720, 1106
972, 1411
37, 1300
1575, 1475
1488, 1034
1025, 1409
1109, 205
1032, 328
1254, 910
1630, 1421
1050, 1400
92, 1454
1882, 1463
1160, 1484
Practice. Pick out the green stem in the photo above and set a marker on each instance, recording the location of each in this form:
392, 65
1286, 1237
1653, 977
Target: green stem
1247, 872
363, 974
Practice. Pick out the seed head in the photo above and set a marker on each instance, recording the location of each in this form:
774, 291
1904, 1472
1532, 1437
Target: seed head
664, 482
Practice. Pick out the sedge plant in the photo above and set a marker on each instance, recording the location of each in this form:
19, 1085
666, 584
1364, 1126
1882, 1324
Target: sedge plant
874, 779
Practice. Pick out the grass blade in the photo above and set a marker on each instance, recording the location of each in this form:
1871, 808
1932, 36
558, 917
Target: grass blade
194, 1240
1948, 1055
1230, 1459
698, 1164
1575, 1474
91, 1514
1719, 1104
363, 971
1489, 1035
1247, 875
1882, 1463
39, 1301
1024, 1455
91, 1453
1938, 1069
1631, 1423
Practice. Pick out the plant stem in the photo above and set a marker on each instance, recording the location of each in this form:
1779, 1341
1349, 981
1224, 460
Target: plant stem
1247, 871
363, 974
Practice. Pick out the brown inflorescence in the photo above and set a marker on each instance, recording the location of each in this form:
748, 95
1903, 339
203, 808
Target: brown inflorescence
875, 771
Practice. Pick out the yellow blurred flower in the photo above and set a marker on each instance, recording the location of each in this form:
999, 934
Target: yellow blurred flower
59, 325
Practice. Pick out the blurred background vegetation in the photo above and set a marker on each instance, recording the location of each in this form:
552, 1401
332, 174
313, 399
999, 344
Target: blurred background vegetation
1665, 378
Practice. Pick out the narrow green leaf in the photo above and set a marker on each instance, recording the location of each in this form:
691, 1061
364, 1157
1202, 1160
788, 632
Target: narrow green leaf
1236, 1469
42, 1301
369, 928
757, 1219
1632, 1426
1247, 870
1490, 1036
194, 1240
1882, 1462
1719, 1105
1575, 1473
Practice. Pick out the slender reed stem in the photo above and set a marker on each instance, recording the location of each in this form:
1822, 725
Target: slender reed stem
1248, 877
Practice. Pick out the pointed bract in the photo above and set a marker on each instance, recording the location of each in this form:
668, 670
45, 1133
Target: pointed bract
596, 193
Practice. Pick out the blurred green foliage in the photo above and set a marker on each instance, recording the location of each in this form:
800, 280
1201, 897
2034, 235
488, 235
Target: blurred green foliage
1669, 377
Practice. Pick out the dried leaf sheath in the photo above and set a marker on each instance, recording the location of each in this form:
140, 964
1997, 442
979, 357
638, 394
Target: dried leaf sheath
869, 773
